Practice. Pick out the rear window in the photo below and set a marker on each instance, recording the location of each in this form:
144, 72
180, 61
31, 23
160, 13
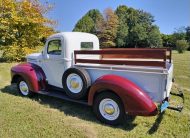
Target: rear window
86, 45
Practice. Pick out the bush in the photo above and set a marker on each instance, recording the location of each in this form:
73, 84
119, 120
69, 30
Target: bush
17, 53
181, 45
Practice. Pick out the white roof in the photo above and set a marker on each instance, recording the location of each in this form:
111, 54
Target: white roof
72, 41
73, 35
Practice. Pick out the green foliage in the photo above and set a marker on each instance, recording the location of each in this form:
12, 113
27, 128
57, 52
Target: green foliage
188, 33
128, 27
154, 38
179, 34
142, 32
136, 36
122, 31
168, 40
85, 24
89, 22
181, 45
97, 17
23, 26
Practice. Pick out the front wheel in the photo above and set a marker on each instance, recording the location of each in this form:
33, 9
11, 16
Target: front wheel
23, 88
109, 108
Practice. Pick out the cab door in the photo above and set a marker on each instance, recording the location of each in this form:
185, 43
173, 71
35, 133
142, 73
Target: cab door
53, 61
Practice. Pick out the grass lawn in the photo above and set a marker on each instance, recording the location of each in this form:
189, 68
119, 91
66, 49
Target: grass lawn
44, 116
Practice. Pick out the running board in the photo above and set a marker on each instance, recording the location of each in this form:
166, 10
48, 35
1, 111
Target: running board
62, 95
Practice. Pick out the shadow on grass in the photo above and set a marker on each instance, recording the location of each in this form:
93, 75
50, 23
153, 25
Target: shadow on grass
156, 124
1, 59
72, 109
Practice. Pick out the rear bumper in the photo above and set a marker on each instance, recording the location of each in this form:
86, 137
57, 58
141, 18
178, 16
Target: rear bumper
165, 104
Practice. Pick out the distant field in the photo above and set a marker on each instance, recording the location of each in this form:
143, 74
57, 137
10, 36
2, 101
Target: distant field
50, 117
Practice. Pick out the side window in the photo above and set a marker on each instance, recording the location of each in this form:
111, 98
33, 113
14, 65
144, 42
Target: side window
54, 47
86, 45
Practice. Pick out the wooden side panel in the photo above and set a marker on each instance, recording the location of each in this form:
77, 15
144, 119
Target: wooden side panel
123, 62
148, 55
158, 56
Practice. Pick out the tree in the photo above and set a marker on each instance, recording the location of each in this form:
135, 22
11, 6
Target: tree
123, 28
154, 38
85, 24
145, 18
97, 17
181, 45
128, 27
137, 36
89, 22
188, 33
108, 29
179, 34
23, 26
168, 40
135, 27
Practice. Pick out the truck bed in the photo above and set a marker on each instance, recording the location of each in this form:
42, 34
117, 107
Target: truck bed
155, 78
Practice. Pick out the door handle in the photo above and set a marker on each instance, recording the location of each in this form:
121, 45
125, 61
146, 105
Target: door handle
67, 59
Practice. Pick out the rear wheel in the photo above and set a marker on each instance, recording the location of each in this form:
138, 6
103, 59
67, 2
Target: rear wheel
109, 108
23, 88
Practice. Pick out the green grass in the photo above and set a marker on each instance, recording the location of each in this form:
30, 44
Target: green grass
44, 116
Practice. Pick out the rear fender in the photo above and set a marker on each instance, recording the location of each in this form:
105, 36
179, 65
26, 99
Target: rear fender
32, 73
135, 100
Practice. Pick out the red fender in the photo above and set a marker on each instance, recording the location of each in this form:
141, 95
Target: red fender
135, 100
33, 74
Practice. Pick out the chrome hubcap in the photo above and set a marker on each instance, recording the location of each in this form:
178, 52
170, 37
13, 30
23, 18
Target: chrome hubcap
74, 83
23, 88
109, 109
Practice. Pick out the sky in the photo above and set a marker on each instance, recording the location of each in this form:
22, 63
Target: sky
169, 14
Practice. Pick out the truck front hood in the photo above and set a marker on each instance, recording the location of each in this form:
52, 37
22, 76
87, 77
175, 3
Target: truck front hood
34, 57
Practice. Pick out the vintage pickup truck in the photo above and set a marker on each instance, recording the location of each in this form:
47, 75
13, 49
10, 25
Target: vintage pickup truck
115, 82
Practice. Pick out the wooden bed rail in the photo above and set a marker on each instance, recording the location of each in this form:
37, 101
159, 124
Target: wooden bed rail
154, 56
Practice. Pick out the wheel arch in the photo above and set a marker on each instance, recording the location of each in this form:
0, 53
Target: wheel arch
98, 92
31, 73
134, 99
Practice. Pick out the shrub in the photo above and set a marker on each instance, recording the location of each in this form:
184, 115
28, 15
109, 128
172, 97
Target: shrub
17, 53
181, 45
